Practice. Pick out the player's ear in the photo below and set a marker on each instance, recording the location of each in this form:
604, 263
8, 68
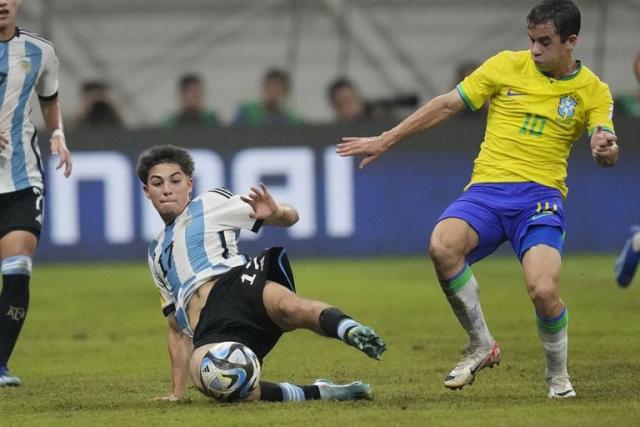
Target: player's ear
571, 41
146, 191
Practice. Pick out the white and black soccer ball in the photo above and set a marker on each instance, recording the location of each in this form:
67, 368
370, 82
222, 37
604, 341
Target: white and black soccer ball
229, 371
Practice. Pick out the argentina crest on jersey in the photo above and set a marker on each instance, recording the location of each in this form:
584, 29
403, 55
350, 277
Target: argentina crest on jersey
567, 106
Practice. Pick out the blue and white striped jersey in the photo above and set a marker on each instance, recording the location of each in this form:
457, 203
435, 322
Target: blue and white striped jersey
27, 62
201, 243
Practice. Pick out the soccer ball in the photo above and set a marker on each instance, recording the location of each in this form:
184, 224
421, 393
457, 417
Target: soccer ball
229, 371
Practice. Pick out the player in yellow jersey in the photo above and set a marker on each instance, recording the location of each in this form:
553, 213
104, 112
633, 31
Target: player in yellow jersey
541, 101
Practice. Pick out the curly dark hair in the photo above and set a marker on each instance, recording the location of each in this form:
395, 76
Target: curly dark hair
159, 154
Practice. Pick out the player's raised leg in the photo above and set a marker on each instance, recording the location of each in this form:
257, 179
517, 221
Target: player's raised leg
541, 264
451, 240
289, 312
627, 261
17, 248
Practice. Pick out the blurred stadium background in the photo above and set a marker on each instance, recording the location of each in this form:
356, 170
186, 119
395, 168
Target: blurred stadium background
394, 51
143, 46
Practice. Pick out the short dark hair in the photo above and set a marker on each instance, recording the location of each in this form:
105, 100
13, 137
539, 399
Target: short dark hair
276, 74
93, 85
563, 13
336, 85
159, 154
188, 79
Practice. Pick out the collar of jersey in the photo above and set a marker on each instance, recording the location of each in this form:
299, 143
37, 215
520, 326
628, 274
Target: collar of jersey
563, 78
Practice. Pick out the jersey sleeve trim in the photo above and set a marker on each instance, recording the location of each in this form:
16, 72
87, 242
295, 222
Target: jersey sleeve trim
168, 309
257, 225
604, 128
48, 98
465, 98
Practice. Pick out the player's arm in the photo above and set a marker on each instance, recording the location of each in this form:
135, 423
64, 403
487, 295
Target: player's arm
180, 349
604, 148
429, 115
52, 115
264, 207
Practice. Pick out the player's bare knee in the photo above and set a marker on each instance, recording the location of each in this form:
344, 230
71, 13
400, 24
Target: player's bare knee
543, 292
443, 252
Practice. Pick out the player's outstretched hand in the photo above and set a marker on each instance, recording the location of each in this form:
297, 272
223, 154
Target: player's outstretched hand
59, 148
604, 148
170, 398
371, 146
262, 203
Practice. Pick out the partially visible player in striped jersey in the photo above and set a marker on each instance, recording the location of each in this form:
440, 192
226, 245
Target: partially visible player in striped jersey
28, 64
213, 293
541, 101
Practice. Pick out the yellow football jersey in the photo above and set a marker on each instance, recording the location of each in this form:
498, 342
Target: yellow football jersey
533, 119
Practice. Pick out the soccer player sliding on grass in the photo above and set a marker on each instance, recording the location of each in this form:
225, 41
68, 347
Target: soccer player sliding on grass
541, 101
211, 293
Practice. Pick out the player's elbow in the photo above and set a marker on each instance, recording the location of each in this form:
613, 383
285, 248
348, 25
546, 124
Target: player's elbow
451, 103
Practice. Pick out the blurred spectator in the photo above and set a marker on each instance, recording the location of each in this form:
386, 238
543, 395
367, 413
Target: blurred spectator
271, 108
346, 101
628, 104
192, 111
97, 109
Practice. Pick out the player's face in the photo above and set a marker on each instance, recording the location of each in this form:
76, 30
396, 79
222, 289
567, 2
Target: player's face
8, 10
548, 52
169, 190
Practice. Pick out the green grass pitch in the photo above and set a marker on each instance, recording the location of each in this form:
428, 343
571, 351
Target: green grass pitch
93, 351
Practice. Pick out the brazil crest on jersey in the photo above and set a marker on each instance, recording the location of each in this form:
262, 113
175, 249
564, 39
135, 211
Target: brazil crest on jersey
533, 119
201, 243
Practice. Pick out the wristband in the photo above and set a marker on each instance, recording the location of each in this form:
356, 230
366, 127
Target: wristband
57, 132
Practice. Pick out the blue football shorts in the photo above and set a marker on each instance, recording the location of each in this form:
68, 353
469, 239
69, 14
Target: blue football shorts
526, 214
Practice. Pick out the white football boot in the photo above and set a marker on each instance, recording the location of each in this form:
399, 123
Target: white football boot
473, 361
353, 391
8, 380
560, 387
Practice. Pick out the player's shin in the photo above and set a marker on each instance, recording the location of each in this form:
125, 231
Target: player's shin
554, 337
464, 297
14, 302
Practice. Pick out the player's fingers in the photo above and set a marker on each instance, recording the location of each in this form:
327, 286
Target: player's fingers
352, 138
599, 128
68, 167
352, 150
367, 160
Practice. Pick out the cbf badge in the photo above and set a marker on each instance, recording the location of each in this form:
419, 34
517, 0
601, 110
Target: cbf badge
567, 106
